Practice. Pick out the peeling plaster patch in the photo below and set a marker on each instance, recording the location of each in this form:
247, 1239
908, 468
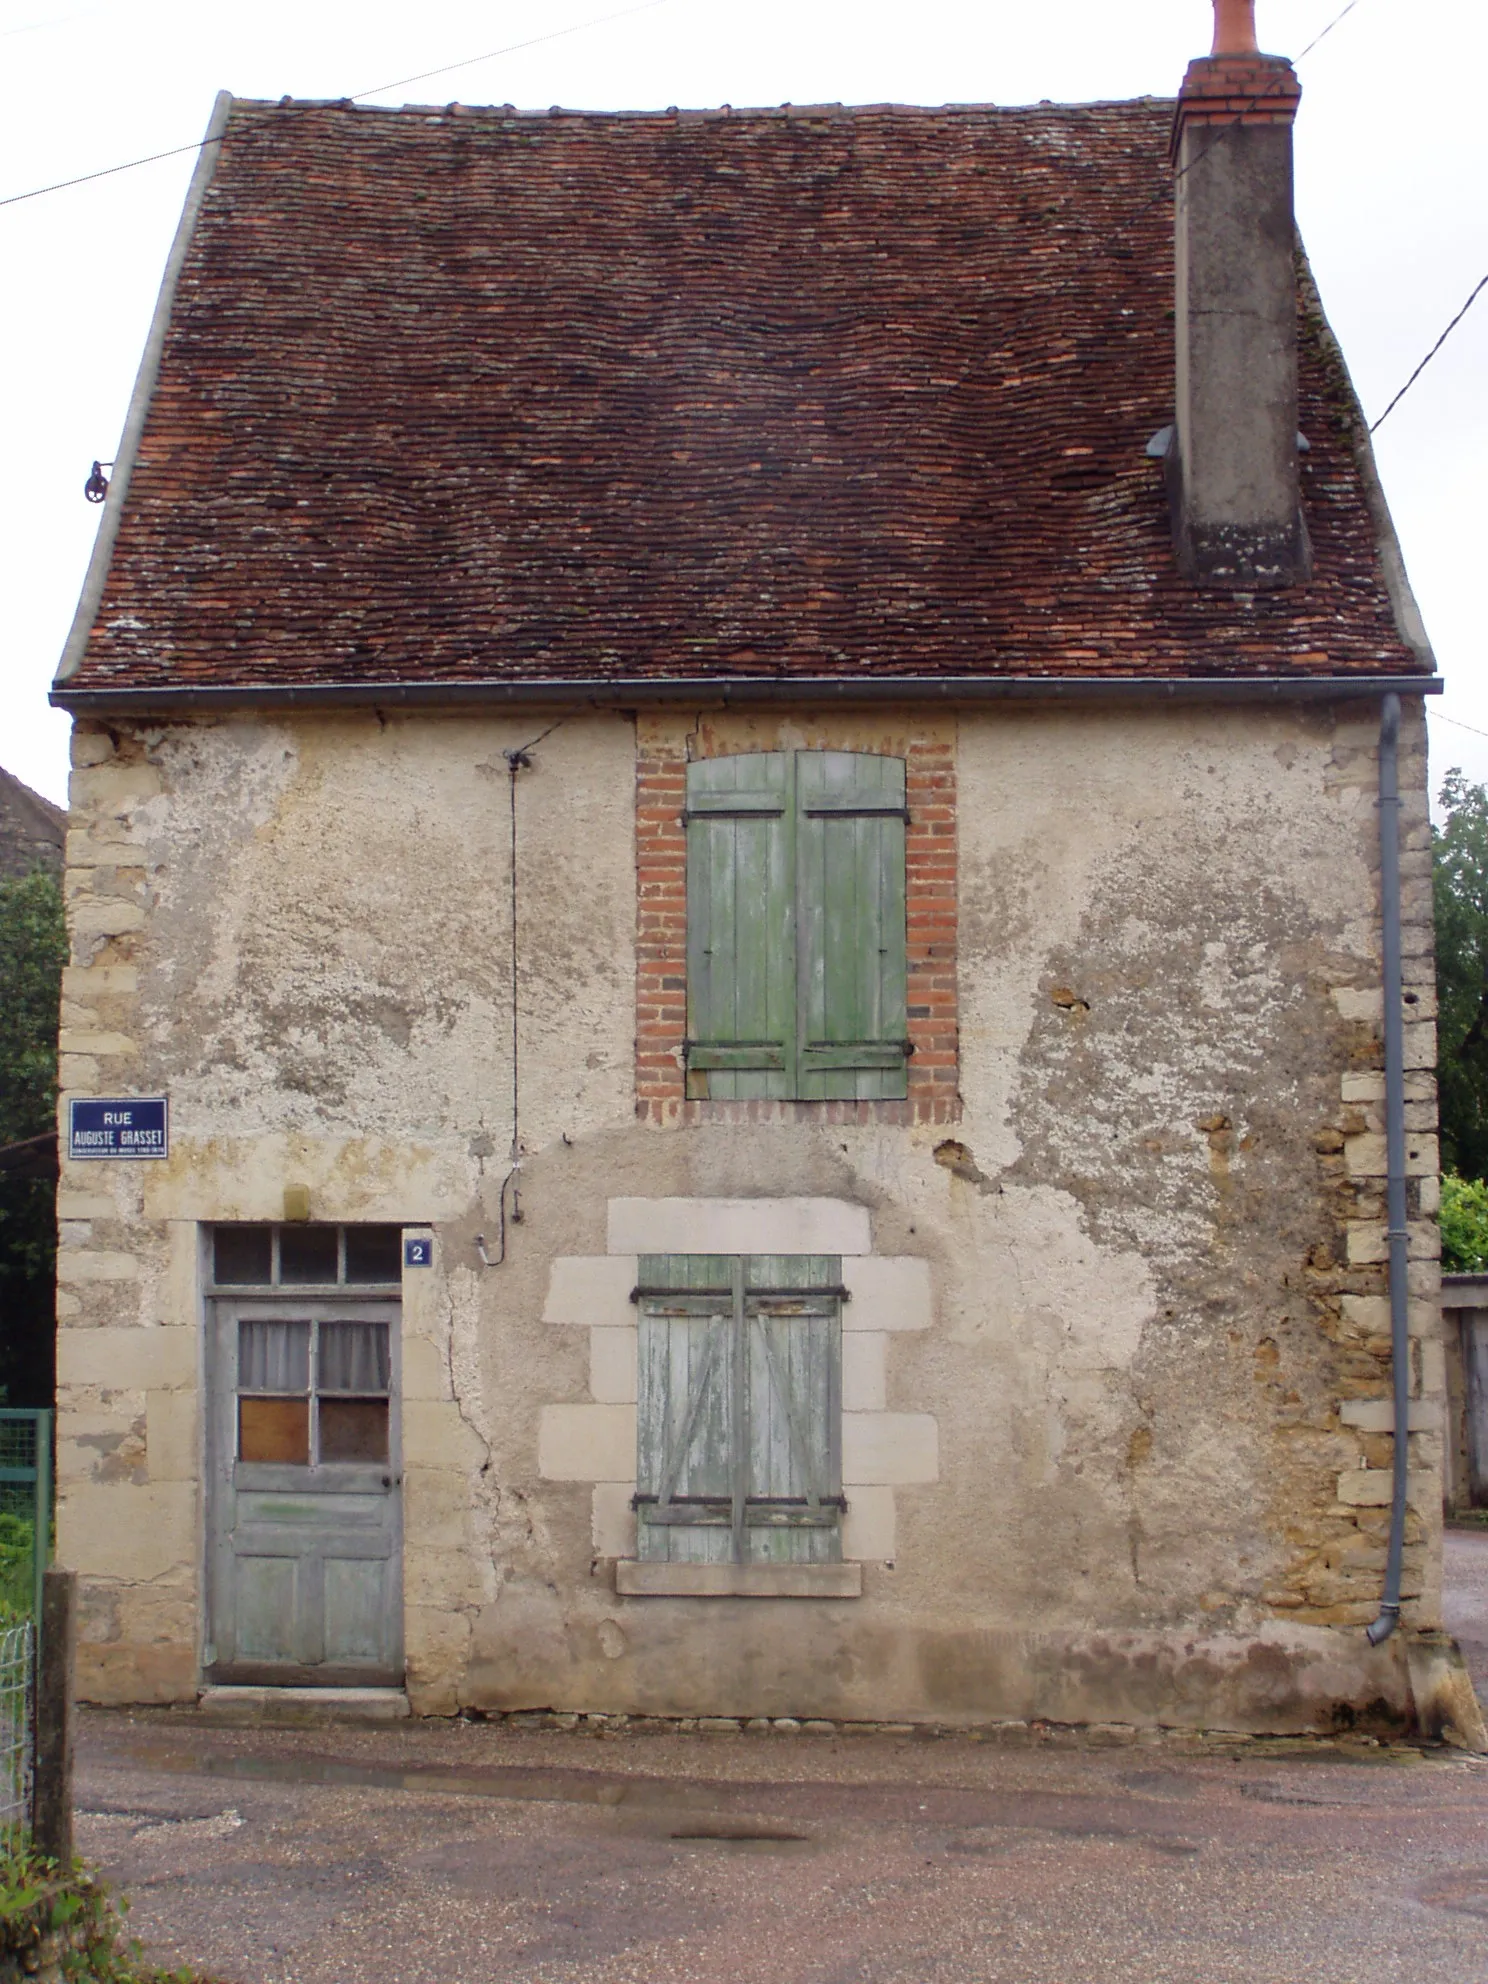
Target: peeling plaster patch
344, 945
957, 1159
1105, 1299
1066, 997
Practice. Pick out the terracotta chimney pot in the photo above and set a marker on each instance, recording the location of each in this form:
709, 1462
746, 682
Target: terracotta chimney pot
1234, 28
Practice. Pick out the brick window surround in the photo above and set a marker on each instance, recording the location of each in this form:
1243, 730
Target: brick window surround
664, 747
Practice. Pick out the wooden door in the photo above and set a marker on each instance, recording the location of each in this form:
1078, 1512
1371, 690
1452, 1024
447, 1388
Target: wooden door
305, 1529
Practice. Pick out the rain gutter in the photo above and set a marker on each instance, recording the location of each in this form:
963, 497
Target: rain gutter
610, 692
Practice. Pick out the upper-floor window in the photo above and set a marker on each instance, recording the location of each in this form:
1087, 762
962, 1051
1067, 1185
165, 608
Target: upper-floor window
796, 927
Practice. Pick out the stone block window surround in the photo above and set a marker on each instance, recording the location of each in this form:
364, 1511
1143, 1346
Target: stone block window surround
880, 1453
913, 1076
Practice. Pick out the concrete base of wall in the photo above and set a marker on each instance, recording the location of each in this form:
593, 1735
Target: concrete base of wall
112, 1673
281, 1708
753, 1658
757, 1658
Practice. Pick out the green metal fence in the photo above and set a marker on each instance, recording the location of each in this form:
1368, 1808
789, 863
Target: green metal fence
17, 1719
25, 1511
25, 1550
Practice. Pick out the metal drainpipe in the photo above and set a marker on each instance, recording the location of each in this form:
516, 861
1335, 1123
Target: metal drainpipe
1389, 833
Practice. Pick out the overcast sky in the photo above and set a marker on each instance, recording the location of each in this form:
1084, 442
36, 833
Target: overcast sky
1392, 162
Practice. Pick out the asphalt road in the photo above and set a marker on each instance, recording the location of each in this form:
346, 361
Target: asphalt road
458, 1853
462, 1853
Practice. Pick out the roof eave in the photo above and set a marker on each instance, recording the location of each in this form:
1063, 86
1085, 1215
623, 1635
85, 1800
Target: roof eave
609, 692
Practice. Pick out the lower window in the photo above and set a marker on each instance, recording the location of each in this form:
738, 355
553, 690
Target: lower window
739, 1419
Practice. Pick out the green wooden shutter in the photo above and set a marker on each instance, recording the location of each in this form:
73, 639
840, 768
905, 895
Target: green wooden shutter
686, 1409
852, 1024
739, 1409
793, 1363
741, 1031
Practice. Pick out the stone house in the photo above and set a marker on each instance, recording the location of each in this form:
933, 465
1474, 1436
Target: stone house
32, 830
727, 771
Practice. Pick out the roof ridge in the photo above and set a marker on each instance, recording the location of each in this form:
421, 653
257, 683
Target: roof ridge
714, 113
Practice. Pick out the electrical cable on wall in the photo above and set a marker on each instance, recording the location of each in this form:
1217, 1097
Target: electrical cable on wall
518, 759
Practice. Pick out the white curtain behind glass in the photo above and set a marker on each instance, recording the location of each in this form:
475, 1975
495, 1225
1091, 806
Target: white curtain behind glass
273, 1357
353, 1357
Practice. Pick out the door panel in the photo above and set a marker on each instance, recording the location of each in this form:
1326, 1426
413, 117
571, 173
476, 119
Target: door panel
266, 1607
305, 1531
355, 1604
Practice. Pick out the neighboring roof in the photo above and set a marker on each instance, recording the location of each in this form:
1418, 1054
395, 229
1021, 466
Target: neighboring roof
32, 830
471, 397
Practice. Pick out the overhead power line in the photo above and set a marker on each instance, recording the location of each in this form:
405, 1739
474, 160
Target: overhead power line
1233, 124
400, 82
53, 21
1326, 31
106, 172
1483, 284
1456, 722
469, 62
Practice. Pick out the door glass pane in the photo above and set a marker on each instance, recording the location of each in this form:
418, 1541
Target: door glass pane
307, 1253
374, 1253
353, 1429
274, 1429
273, 1357
242, 1256
353, 1357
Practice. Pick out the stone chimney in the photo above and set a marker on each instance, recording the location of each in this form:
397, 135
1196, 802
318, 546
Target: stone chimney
1232, 459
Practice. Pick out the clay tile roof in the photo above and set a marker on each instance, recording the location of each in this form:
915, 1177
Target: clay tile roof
456, 396
32, 830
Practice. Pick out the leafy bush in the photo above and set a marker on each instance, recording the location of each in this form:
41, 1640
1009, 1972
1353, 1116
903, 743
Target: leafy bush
1460, 869
1464, 1224
16, 1538
70, 1925
33, 947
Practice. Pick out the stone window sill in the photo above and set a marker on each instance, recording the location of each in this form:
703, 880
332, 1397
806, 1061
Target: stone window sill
635, 1578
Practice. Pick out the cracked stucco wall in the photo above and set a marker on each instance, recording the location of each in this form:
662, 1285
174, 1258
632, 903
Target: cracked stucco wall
1157, 1354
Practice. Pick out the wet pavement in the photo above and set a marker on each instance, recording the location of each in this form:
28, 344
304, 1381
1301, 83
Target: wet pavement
455, 1853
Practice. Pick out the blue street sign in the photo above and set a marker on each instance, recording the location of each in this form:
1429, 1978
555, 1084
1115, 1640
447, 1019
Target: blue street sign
418, 1250
117, 1126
